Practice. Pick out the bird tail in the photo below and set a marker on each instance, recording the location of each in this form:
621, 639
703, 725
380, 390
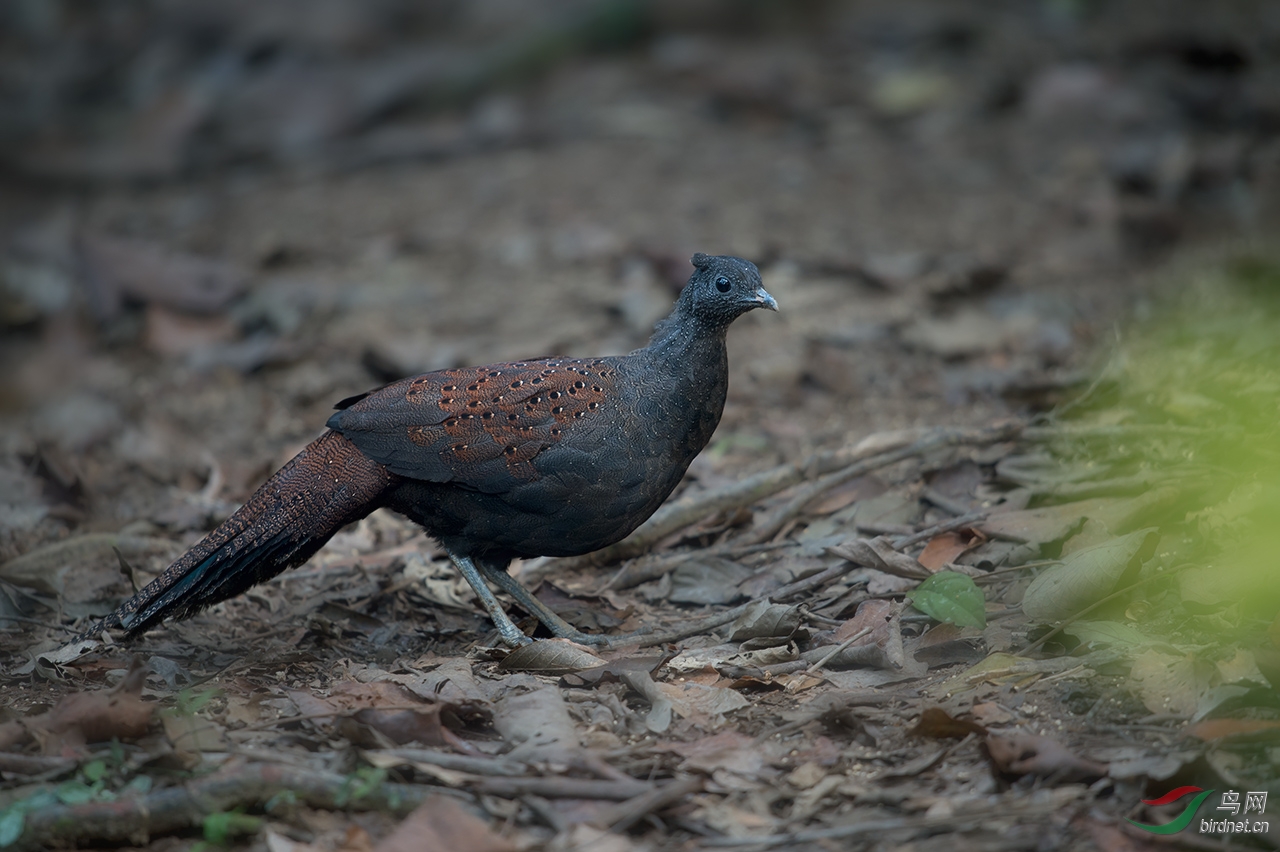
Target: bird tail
322, 489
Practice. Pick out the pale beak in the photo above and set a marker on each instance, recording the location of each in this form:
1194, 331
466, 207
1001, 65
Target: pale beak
764, 300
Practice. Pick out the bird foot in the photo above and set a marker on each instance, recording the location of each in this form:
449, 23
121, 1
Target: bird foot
601, 640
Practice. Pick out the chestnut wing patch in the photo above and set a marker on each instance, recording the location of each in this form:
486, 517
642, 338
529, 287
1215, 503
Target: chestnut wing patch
477, 426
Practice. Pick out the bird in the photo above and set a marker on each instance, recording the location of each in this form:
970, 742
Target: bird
544, 457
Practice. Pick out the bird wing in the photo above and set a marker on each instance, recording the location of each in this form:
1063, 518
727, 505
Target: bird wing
478, 427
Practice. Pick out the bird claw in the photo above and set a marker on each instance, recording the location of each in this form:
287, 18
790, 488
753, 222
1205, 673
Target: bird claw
601, 640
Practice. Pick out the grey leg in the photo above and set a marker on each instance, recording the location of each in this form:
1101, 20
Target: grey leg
557, 625
506, 628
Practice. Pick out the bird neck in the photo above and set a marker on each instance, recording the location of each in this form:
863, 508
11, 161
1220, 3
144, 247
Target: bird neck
692, 353
683, 335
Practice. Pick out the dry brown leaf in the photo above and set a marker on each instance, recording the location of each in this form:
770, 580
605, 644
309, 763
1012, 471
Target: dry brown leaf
441, 824
1027, 754
356, 839
381, 706
447, 679
191, 733
936, 723
944, 644
88, 717
881, 646
731, 750
694, 700
390, 709
763, 619
588, 838
797, 682
615, 670
990, 713
944, 548
878, 553
658, 719
874, 616
535, 720
550, 657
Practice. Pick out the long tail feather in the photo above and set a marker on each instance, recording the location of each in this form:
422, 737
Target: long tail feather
323, 488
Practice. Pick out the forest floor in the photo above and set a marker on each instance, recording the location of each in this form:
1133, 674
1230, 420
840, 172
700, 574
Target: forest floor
1021, 260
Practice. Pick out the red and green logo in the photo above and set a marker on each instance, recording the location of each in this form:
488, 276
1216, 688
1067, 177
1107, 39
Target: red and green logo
1184, 818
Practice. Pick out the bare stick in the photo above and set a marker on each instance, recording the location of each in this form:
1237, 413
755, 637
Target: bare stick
558, 787
946, 526
126, 819
829, 656
728, 616
623, 815
774, 523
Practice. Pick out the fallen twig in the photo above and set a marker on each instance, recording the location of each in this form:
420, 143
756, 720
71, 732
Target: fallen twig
943, 502
828, 657
559, 787
448, 760
946, 526
774, 523
655, 566
623, 815
35, 764
135, 820
730, 615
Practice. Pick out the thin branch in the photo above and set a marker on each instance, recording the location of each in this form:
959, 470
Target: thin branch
133, 820
933, 440
946, 526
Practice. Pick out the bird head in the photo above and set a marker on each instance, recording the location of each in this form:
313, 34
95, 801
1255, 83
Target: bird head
723, 287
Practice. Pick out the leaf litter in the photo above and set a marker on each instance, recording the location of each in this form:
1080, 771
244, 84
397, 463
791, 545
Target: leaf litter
1090, 620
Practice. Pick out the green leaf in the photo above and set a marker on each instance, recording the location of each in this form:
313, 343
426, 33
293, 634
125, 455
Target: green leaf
361, 783
282, 801
1086, 576
138, 785
75, 793
220, 828
952, 597
189, 702
1107, 633
94, 770
40, 799
12, 820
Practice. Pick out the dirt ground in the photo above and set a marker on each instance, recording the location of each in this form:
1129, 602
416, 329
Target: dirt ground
219, 220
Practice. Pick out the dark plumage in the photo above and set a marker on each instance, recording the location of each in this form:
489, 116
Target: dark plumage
552, 457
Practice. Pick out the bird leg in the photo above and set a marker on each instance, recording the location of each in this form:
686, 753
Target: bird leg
507, 629
557, 625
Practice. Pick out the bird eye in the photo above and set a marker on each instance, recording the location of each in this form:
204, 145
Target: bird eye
722, 284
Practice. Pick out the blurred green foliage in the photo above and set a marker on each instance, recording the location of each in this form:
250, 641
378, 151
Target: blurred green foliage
1193, 394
